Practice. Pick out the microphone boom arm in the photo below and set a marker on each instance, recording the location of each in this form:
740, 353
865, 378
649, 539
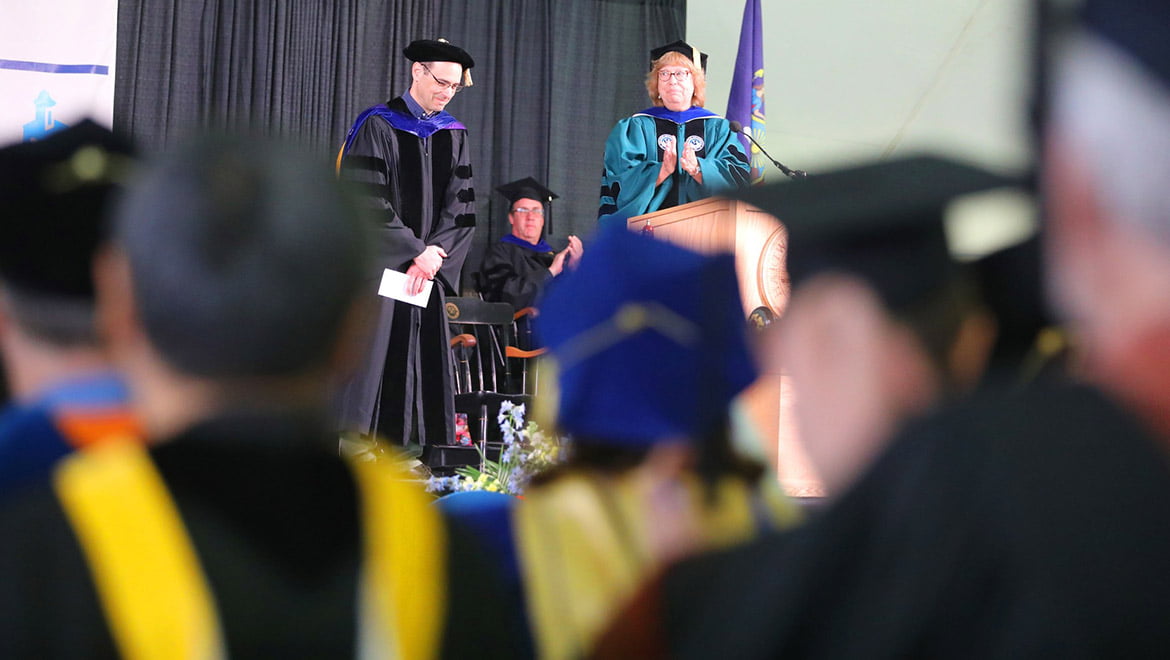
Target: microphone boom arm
788, 172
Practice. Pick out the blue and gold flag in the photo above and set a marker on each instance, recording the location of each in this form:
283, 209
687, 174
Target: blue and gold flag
746, 101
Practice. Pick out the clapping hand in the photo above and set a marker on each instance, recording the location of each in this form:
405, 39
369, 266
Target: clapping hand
558, 262
690, 164
575, 250
669, 162
570, 256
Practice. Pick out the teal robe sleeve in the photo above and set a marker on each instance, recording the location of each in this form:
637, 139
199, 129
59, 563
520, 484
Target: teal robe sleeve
724, 166
630, 171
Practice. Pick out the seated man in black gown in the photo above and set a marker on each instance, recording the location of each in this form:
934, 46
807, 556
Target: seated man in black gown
516, 268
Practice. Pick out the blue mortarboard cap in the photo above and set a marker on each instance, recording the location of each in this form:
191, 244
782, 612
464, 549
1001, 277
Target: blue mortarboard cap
650, 340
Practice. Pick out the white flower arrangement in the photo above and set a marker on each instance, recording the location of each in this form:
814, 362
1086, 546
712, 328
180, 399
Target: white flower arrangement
526, 452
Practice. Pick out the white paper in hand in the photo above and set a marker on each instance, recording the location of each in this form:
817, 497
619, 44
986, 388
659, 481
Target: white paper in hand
394, 286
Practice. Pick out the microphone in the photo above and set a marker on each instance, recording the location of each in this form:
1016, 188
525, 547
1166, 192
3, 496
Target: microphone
790, 173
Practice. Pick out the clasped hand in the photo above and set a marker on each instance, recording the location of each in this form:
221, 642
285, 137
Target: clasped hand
425, 267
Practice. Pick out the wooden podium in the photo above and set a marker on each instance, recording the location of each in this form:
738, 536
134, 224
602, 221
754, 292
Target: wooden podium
759, 243
715, 225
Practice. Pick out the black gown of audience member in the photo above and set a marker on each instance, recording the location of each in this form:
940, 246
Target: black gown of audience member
274, 576
1034, 525
239, 528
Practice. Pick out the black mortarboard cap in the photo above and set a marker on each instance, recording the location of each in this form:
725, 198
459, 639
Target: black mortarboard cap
881, 221
54, 194
1136, 26
531, 189
440, 50
683, 47
526, 188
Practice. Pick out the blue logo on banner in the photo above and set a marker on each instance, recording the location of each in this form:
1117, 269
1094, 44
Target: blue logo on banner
44, 123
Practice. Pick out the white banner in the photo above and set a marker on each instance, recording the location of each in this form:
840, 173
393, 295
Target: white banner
56, 65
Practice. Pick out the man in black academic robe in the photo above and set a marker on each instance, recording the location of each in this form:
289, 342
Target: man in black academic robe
412, 161
516, 269
1030, 525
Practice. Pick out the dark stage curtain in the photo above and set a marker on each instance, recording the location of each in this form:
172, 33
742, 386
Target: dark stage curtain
600, 65
299, 69
507, 111
551, 79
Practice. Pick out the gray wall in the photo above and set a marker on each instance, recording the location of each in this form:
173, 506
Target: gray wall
854, 79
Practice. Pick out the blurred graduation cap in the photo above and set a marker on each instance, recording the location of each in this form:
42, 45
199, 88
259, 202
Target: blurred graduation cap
54, 193
650, 341
682, 47
1137, 27
529, 188
440, 50
880, 221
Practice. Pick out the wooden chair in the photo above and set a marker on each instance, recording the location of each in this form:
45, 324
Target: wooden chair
489, 367
523, 368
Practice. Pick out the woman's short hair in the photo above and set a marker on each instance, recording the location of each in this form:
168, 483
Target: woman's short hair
672, 58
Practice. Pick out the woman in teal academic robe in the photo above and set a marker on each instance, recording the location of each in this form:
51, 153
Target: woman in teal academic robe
674, 152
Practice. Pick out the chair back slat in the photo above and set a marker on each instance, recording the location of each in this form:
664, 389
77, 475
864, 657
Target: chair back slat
489, 370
